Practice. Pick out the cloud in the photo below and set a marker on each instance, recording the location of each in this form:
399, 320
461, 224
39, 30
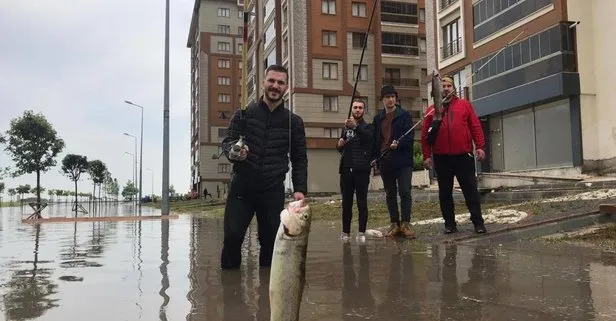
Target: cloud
77, 64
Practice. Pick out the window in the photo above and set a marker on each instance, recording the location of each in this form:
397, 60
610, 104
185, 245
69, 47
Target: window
224, 81
331, 132
330, 103
363, 74
330, 70
422, 45
224, 12
328, 6
422, 15
452, 39
222, 132
224, 46
224, 98
224, 63
358, 9
399, 12
240, 14
358, 40
400, 44
328, 38
240, 30
240, 47
226, 29
224, 168
392, 76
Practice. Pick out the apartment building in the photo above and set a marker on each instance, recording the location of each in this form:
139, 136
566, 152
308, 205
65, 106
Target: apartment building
531, 73
215, 40
321, 42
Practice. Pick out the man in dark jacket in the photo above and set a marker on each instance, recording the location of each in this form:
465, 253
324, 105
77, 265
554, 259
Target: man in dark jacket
355, 169
396, 165
260, 164
453, 154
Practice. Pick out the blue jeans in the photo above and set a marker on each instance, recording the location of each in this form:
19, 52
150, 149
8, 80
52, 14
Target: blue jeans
397, 181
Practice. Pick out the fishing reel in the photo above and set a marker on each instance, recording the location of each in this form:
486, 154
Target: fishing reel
350, 134
237, 147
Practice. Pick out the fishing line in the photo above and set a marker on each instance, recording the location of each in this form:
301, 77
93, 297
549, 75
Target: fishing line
351, 132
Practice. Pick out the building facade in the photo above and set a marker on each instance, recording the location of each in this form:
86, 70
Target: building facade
522, 65
321, 42
215, 40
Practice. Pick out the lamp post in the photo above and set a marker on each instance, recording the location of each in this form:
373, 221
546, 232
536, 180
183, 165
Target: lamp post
140, 153
134, 182
165, 201
135, 169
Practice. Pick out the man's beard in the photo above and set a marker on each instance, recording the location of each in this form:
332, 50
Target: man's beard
357, 117
268, 94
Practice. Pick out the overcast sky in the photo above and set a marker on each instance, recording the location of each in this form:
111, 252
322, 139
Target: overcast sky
77, 61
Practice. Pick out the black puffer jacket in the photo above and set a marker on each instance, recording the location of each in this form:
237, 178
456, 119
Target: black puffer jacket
267, 135
358, 153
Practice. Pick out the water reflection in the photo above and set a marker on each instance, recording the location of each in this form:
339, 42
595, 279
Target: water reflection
30, 291
169, 270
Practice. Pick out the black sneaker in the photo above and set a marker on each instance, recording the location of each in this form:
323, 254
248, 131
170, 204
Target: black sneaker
449, 230
480, 229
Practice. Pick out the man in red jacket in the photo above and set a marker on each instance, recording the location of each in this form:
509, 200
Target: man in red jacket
452, 154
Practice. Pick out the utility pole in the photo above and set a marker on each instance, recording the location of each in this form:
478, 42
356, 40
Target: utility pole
165, 189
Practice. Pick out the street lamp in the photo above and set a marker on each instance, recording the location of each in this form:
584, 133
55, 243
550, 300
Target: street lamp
135, 138
141, 152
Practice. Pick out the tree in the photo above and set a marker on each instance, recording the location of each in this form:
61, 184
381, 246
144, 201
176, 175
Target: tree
1, 191
73, 166
23, 189
12, 192
97, 170
33, 144
129, 191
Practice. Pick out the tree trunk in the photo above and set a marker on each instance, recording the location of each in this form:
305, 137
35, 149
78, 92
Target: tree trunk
38, 192
76, 199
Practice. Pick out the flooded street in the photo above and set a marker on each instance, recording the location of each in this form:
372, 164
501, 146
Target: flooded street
169, 270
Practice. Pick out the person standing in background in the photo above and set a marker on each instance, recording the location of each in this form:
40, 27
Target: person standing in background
355, 169
453, 154
396, 165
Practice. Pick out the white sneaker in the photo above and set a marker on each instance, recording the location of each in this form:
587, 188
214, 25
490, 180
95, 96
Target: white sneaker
345, 237
361, 238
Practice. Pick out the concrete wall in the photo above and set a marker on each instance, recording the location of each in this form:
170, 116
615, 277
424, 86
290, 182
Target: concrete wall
323, 174
595, 46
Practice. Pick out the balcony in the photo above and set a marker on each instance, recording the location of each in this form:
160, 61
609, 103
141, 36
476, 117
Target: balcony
443, 4
451, 49
399, 12
398, 18
400, 50
402, 82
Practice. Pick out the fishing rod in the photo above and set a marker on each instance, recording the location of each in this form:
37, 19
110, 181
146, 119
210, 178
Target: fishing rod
237, 147
351, 132
383, 153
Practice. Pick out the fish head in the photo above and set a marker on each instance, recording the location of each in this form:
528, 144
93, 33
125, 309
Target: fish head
296, 218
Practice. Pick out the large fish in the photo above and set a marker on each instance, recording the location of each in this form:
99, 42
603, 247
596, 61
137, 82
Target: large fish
437, 96
288, 270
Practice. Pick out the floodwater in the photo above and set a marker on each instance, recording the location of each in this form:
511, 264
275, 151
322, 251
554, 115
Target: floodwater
168, 270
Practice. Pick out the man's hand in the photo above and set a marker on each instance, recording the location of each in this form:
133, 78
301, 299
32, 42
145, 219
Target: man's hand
481, 155
428, 163
238, 156
298, 196
394, 144
350, 123
341, 142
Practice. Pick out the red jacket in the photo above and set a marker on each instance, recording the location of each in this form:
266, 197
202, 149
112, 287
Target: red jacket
460, 126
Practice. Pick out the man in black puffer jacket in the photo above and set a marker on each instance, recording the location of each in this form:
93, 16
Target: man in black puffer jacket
260, 163
355, 169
